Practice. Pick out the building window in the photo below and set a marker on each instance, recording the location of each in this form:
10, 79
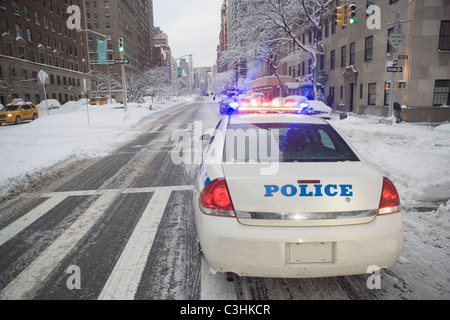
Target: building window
18, 30
444, 36
368, 51
332, 59
29, 35
26, 12
36, 18
343, 56
372, 94
15, 7
389, 47
352, 53
32, 56
361, 88
441, 93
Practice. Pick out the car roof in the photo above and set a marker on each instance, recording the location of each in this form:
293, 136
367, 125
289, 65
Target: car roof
274, 118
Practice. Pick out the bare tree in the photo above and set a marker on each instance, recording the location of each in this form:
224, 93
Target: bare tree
100, 82
9, 84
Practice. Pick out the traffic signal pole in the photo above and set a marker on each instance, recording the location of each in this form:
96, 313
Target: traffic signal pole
394, 63
124, 82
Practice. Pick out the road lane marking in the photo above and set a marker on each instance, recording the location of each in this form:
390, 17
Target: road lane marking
124, 280
20, 224
24, 285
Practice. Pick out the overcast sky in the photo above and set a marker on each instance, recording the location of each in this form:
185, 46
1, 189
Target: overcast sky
193, 27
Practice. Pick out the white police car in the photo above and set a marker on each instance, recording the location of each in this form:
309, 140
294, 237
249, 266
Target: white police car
285, 195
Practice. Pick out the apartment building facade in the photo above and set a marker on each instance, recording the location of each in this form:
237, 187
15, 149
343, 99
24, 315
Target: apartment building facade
354, 68
351, 68
34, 37
130, 20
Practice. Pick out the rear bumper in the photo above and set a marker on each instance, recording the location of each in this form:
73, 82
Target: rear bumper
299, 252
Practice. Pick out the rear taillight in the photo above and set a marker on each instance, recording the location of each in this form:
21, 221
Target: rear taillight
215, 199
290, 102
265, 102
390, 200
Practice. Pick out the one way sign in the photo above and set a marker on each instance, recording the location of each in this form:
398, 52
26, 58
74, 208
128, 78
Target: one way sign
394, 69
122, 61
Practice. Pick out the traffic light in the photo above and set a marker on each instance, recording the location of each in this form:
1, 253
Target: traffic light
351, 13
339, 15
387, 86
400, 84
121, 48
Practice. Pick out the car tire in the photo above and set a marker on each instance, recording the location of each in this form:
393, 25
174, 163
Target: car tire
18, 120
34, 116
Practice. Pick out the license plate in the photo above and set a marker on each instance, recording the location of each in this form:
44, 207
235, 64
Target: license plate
310, 252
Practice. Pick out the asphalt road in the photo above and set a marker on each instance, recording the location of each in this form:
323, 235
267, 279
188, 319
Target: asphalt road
121, 227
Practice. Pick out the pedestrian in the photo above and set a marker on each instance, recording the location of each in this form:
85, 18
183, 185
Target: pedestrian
398, 112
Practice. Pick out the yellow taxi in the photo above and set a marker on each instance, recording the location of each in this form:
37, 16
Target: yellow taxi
97, 101
16, 113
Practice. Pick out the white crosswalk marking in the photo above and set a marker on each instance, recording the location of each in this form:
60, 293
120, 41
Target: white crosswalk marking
23, 222
124, 279
23, 286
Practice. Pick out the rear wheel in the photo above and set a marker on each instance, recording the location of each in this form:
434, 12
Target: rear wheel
18, 120
34, 116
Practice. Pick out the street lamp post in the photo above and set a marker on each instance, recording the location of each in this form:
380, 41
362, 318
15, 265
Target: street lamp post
107, 63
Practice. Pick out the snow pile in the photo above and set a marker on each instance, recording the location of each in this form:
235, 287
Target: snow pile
414, 157
68, 132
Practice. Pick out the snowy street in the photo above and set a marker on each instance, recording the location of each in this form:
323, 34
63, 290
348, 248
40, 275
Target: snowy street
97, 190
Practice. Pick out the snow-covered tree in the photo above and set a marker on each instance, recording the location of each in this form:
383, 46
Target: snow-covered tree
101, 83
267, 27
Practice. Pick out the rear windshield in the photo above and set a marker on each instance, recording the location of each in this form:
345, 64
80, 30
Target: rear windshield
283, 142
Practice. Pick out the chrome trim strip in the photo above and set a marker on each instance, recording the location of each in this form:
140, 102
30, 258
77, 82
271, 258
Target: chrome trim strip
306, 215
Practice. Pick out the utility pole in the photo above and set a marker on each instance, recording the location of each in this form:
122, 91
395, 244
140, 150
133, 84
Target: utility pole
395, 39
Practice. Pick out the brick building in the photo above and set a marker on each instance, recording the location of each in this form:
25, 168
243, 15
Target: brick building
34, 37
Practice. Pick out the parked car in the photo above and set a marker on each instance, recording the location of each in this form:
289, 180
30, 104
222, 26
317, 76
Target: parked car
296, 101
98, 101
227, 105
320, 109
16, 113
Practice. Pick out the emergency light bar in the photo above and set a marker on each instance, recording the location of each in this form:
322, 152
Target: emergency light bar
265, 106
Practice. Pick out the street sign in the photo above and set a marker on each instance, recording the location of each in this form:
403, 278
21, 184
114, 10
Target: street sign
101, 50
122, 61
397, 39
394, 69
